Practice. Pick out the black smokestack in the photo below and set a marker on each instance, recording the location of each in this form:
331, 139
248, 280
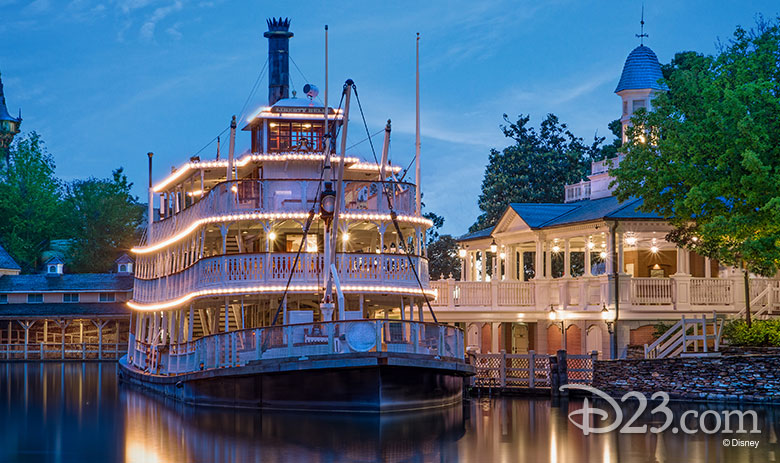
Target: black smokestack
278, 59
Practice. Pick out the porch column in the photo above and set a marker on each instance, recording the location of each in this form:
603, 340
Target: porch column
621, 266
588, 263
548, 259
682, 261
190, 322
539, 258
566, 258
521, 266
707, 268
465, 271
610, 264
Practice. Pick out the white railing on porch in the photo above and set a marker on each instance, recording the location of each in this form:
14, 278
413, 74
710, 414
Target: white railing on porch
651, 291
452, 293
273, 269
707, 291
239, 348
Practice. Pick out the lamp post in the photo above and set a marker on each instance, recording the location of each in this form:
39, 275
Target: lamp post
554, 316
609, 318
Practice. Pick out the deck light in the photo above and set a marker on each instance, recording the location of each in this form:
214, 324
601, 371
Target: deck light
345, 237
272, 236
462, 253
609, 317
493, 247
631, 240
591, 245
552, 314
603, 254
556, 249
654, 249
502, 255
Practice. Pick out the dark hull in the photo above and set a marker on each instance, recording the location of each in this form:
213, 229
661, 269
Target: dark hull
364, 382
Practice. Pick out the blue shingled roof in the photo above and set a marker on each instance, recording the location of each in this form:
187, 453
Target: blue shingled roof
69, 282
544, 215
641, 71
65, 310
485, 232
6, 261
537, 214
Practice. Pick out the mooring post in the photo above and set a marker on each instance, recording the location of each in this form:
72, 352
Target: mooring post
563, 373
554, 382
531, 369
502, 369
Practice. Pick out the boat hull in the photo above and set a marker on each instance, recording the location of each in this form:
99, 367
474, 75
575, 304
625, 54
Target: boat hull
359, 382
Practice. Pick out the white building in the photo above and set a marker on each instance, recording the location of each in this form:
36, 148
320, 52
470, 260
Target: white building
562, 265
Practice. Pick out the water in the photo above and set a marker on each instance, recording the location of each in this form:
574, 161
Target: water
73, 412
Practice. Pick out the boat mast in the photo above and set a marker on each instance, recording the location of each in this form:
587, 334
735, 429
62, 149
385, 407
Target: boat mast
326, 305
417, 189
340, 186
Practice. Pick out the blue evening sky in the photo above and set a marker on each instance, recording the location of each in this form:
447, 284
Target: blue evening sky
104, 82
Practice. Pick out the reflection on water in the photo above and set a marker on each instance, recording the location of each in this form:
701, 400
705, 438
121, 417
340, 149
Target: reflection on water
78, 412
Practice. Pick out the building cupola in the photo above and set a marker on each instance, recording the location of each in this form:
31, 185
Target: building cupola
9, 125
640, 80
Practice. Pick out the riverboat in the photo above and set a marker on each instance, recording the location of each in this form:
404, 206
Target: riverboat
292, 276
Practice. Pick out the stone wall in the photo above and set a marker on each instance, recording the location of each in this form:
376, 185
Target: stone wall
736, 378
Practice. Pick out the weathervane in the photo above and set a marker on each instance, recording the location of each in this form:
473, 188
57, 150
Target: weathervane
642, 34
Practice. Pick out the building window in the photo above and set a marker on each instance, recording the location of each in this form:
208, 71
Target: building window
636, 104
107, 297
123, 268
70, 297
625, 108
34, 298
3, 298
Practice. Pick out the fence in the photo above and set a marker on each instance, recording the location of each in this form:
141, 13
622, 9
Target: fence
63, 351
530, 371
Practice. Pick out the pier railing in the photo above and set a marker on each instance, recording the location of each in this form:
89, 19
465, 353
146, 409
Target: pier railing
63, 351
240, 348
528, 371
237, 271
280, 196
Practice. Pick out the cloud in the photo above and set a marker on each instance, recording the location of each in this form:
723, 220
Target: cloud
147, 29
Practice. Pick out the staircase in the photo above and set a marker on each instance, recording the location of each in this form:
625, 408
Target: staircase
689, 337
765, 303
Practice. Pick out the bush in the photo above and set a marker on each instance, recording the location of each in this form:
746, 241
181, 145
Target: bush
762, 333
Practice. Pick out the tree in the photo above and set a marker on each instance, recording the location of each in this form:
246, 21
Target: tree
30, 201
442, 250
708, 157
104, 217
533, 169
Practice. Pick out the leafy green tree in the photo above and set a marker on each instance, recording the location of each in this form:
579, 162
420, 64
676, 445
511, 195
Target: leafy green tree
708, 157
443, 258
30, 202
104, 217
535, 168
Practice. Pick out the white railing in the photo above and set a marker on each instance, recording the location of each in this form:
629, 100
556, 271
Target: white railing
238, 271
651, 291
688, 333
528, 371
577, 191
515, 293
711, 291
239, 348
599, 167
63, 351
281, 196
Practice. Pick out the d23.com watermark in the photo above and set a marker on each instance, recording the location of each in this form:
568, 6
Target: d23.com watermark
708, 422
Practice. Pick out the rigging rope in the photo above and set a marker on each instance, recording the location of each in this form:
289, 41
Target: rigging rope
393, 214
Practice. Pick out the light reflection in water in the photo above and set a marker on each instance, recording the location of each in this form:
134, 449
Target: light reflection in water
78, 412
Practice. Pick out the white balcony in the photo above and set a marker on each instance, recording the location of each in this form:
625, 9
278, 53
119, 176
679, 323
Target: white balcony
269, 272
637, 295
232, 199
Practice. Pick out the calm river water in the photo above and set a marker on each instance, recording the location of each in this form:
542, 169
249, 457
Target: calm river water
77, 412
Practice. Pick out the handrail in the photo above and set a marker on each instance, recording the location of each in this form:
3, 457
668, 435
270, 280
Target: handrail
242, 347
245, 271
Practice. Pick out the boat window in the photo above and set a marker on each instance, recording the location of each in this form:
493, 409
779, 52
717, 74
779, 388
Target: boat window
294, 136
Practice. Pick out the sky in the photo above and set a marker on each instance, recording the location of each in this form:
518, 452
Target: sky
105, 82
